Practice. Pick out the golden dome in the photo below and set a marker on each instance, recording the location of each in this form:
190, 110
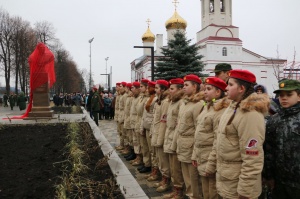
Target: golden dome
148, 36
176, 22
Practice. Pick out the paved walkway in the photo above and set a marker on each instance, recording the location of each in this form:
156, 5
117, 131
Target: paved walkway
109, 130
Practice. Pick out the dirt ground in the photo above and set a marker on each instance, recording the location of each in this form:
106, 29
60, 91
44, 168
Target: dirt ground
30, 161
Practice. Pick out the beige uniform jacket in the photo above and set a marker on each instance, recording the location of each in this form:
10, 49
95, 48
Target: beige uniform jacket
239, 148
117, 107
205, 135
133, 111
189, 111
128, 103
122, 102
172, 120
142, 99
148, 116
159, 123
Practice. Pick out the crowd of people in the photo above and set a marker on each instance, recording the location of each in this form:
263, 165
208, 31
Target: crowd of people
13, 100
218, 138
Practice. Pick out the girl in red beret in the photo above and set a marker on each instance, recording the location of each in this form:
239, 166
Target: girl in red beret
122, 101
175, 94
158, 133
185, 131
241, 133
204, 157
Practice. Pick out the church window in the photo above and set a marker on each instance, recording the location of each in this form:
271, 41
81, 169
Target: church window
224, 51
222, 5
211, 6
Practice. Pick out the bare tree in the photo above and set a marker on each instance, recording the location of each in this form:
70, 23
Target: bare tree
45, 33
6, 40
278, 66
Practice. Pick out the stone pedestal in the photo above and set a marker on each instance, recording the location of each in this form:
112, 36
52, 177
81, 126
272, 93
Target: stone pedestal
41, 104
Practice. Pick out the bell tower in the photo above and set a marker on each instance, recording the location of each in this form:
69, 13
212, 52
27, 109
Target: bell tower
218, 12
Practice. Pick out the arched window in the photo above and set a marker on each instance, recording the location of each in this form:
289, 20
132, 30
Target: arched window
211, 6
222, 5
224, 51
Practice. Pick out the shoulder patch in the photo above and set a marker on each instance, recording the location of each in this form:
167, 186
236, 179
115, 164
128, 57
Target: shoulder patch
251, 143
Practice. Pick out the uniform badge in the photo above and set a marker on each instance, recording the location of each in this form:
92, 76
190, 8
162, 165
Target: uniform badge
282, 85
164, 118
252, 143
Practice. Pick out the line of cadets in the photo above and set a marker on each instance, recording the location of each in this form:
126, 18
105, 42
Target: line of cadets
194, 135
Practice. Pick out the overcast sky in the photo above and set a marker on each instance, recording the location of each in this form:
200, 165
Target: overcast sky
117, 25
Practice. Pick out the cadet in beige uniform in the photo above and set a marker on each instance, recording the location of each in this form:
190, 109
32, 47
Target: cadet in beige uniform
176, 93
127, 126
117, 112
148, 152
189, 111
140, 136
158, 133
205, 135
122, 101
240, 138
133, 120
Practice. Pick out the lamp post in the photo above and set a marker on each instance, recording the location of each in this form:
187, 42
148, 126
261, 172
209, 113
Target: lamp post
152, 59
90, 83
106, 59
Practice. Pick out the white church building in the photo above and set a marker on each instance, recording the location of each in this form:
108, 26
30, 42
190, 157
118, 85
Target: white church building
219, 43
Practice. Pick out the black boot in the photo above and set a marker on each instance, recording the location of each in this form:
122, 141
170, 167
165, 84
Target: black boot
131, 157
140, 167
145, 170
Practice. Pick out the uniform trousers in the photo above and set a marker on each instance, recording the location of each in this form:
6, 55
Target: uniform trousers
163, 161
192, 181
146, 150
121, 133
175, 170
209, 187
136, 142
128, 137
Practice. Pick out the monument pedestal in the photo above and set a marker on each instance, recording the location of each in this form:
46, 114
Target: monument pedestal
41, 105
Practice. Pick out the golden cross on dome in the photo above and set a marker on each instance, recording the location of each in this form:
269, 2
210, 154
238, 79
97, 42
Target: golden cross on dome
148, 22
175, 2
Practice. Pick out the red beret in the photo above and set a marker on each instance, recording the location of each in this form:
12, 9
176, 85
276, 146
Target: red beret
95, 87
244, 75
136, 84
176, 81
163, 82
123, 84
145, 81
193, 78
118, 84
129, 85
217, 82
151, 84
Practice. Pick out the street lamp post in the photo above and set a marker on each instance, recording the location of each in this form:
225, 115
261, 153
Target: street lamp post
106, 59
90, 83
152, 59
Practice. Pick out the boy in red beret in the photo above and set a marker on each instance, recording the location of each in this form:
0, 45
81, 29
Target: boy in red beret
204, 157
185, 131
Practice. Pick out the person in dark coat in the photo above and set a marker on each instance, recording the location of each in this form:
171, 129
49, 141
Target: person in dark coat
11, 101
21, 101
5, 98
95, 105
88, 104
107, 106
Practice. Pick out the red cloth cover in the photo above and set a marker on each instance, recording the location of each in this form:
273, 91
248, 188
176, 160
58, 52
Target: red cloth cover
40, 61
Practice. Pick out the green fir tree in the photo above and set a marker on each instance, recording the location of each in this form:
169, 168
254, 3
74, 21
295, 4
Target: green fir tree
180, 59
